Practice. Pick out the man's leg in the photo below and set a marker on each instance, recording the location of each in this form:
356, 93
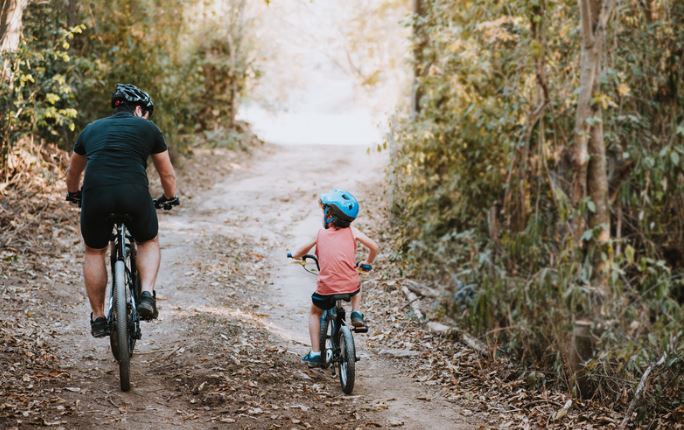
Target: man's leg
148, 258
95, 274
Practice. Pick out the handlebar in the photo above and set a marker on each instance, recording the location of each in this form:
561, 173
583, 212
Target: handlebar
165, 203
307, 257
360, 266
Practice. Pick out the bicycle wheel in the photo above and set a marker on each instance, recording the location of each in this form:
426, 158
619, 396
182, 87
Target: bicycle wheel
347, 359
121, 317
325, 339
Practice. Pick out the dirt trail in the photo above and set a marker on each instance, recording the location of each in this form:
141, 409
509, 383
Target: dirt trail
279, 197
225, 351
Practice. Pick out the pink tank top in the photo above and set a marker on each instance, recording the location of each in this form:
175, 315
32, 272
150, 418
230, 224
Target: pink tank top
336, 253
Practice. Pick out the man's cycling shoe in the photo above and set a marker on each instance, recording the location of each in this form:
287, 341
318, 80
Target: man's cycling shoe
147, 308
357, 319
312, 360
99, 327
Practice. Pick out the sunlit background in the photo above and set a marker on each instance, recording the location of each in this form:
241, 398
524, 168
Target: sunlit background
332, 72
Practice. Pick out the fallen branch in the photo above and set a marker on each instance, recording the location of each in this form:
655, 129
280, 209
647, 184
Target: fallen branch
474, 343
640, 388
420, 289
468, 340
414, 302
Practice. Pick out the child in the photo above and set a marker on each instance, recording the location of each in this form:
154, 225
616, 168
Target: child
336, 253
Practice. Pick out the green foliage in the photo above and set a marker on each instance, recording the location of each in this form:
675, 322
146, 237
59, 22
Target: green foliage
482, 177
73, 53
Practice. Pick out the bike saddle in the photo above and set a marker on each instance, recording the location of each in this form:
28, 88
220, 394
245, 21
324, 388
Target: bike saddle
118, 218
345, 297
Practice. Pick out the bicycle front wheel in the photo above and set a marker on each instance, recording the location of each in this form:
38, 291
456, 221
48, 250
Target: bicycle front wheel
347, 360
121, 325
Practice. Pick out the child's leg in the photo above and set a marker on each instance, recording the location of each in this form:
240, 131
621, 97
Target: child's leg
315, 328
356, 302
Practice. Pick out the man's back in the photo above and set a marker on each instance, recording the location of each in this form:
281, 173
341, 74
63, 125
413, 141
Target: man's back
117, 148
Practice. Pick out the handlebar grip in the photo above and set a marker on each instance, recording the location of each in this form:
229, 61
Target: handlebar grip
365, 267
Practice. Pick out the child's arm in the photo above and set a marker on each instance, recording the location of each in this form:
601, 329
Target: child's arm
368, 243
304, 249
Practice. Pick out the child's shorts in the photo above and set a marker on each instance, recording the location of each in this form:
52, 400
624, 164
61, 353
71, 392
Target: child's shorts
327, 302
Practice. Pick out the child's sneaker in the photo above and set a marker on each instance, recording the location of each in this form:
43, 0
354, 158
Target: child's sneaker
312, 359
357, 319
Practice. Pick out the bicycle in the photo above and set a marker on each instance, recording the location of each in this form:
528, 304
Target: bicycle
125, 291
338, 349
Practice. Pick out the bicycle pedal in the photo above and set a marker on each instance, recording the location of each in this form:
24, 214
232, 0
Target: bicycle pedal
363, 329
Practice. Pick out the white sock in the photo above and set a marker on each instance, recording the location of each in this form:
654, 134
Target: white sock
315, 354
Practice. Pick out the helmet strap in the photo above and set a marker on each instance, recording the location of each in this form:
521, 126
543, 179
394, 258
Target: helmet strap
328, 217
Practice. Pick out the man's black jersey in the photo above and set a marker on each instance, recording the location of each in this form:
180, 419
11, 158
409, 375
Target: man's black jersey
117, 148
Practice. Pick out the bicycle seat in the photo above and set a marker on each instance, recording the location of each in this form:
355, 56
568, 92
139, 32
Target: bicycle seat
119, 218
345, 297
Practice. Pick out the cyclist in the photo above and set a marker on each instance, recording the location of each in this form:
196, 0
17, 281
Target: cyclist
336, 252
114, 152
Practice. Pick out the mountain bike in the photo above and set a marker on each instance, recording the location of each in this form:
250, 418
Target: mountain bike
125, 291
338, 350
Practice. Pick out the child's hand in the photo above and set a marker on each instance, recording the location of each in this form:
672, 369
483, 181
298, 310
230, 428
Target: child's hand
364, 267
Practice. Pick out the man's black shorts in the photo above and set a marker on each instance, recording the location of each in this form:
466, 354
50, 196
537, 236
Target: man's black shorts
99, 202
327, 302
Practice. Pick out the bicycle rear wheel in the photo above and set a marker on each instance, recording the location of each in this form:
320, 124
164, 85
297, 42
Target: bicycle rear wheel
347, 360
121, 326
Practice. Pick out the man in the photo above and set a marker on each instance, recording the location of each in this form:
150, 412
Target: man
114, 151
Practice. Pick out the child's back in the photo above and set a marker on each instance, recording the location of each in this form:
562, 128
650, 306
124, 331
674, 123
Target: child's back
336, 252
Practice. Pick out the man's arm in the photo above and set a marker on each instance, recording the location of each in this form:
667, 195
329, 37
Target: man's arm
368, 243
162, 162
76, 166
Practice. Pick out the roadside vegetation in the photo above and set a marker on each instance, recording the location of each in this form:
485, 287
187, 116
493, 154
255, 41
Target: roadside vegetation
65, 57
538, 181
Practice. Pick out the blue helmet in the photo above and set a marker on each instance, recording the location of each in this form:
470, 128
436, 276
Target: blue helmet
339, 207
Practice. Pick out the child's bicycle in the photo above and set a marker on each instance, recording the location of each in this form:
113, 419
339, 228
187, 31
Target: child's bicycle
338, 350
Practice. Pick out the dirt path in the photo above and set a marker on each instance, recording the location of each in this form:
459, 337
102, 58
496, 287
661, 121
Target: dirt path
278, 201
225, 351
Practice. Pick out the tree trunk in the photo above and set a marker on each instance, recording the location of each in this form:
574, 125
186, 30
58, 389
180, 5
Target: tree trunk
419, 44
11, 12
589, 153
590, 176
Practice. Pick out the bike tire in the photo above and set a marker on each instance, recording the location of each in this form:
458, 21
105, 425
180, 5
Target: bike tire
122, 335
347, 361
325, 340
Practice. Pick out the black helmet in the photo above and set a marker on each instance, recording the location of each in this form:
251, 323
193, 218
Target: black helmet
132, 95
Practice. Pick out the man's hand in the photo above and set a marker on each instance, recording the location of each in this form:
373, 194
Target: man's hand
74, 197
165, 202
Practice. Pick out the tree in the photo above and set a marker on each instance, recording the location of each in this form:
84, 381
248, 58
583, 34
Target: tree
11, 12
419, 44
590, 176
